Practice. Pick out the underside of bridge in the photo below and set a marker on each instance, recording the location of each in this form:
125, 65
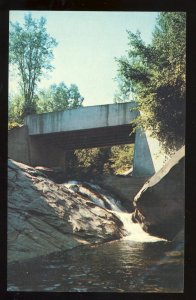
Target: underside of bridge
52, 149
88, 138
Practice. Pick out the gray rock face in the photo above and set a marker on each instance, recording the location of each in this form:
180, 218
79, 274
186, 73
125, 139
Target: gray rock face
124, 187
159, 206
45, 217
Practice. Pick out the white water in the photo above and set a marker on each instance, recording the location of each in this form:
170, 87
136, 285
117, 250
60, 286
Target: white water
134, 230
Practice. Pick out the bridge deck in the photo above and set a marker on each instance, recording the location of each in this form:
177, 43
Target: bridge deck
98, 137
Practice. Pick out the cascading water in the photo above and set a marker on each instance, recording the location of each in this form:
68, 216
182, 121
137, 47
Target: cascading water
134, 230
104, 200
131, 264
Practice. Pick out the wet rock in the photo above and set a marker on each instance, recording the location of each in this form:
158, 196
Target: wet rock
45, 217
123, 187
159, 206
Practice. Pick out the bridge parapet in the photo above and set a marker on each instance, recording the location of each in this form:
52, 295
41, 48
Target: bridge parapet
82, 118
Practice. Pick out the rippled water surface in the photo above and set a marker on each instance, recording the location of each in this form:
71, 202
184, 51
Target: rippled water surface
118, 266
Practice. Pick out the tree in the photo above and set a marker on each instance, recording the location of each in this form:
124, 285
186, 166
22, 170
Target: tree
15, 110
31, 52
89, 162
93, 162
155, 75
59, 97
121, 158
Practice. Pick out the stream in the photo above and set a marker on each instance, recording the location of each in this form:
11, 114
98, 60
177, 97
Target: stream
138, 262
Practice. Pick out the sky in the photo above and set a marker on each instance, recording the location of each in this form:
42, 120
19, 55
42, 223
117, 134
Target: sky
88, 43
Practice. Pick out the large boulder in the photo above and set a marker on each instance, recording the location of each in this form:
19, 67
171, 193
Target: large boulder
159, 205
45, 217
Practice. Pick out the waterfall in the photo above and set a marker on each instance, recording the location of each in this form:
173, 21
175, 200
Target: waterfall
134, 230
101, 198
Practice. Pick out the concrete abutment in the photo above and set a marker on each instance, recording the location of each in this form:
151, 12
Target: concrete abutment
18, 144
46, 154
149, 157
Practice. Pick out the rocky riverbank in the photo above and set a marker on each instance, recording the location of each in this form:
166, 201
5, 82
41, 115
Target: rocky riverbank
45, 217
159, 205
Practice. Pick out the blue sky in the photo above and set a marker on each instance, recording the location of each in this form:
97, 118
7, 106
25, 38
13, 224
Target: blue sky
88, 43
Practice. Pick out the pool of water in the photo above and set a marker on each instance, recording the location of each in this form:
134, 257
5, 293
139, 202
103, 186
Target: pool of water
118, 266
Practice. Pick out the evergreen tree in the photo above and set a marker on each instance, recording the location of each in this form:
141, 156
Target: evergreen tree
155, 75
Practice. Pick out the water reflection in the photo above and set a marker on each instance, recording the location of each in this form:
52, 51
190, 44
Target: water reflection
118, 266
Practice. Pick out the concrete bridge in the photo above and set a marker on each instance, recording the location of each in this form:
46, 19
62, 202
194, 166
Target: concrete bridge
84, 127
46, 138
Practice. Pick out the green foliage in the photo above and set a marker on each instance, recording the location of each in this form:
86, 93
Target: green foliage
30, 50
88, 162
15, 111
97, 161
59, 97
155, 75
121, 158
16, 106
13, 124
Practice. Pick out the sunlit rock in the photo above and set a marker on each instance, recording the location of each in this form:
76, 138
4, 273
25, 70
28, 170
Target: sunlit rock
45, 217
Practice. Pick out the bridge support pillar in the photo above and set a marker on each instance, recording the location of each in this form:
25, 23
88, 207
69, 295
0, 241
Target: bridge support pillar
149, 157
142, 161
